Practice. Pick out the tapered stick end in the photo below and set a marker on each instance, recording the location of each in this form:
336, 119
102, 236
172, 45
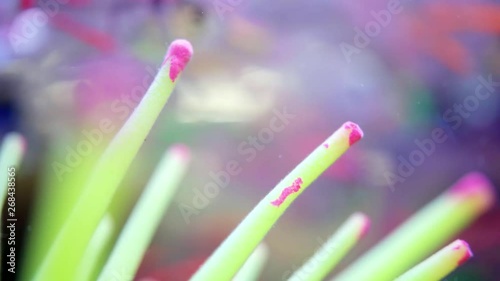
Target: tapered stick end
475, 186
180, 150
364, 223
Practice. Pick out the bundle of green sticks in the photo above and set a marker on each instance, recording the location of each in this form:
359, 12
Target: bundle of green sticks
411, 250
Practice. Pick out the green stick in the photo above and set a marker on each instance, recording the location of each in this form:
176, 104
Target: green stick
332, 252
252, 268
55, 200
146, 216
11, 153
439, 265
96, 247
234, 251
61, 264
432, 226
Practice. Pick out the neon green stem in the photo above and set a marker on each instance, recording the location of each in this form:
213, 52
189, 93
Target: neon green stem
332, 252
60, 263
96, 248
439, 265
425, 231
146, 216
254, 265
235, 250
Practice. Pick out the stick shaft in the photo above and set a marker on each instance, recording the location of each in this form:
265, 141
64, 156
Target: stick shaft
332, 252
238, 246
250, 271
96, 248
60, 264
146, 216
432, 226
439, 265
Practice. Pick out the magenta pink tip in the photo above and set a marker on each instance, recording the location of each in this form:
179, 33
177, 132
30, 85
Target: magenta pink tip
326, 145
24, 145
365, 227
179, 53
181, 150
459, 244
355, 133
475, 185
18, 139
287, 191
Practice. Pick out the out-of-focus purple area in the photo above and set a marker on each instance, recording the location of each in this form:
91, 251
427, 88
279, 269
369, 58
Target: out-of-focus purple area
422, 78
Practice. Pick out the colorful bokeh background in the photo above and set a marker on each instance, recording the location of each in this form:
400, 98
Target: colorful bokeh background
400, 69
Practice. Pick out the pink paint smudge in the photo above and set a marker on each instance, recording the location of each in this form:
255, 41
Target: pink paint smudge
355, 132
326, 145
179, 53
467, 254
287, 191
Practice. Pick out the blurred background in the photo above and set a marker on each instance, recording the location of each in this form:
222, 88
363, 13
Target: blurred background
400, 69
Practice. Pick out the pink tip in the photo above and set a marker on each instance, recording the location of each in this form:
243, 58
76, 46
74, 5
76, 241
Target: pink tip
326, 145
24, 145
180, 150
459, 245
287, 191
179, 53
18, 140
477, 187
365, 224
355, 133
